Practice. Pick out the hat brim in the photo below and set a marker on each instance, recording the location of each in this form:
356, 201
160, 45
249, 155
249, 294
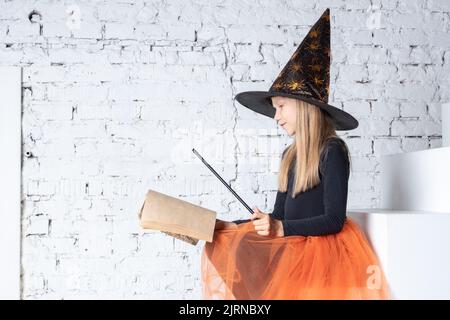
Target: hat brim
260, 102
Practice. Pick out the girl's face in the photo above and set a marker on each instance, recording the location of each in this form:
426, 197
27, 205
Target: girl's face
285, 113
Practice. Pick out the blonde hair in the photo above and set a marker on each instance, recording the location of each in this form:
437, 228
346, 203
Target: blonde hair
314, 128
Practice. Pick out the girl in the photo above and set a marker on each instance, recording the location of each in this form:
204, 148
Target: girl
307, 248
319, 134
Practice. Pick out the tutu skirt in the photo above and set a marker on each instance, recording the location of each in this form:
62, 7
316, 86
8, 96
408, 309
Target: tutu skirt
239, 264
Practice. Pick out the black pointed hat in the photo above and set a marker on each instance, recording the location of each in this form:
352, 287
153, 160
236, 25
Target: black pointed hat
306, 76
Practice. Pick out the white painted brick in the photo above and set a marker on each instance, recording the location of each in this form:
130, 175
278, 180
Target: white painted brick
46, 187
262, 71
122, 168
359, 146
90, 30
117, 12
248, 53
81, 204
361, 200
447, 57
387, 109
94, 188
413, 109
86, 148
434, 110
416, 37
361, 37
181, 32
92, 93
364, 90
357, 108
352, 73
195, 58
89, 112
414, 127
52, 111
41, 265
37, 226
411, 72
372, 126
387, 145
90, 168
435, 142
44, 74
62, 55
32, 187
55, 29
35, 283
56, 147
52, 168
379, 75
414, 144
211, 35
102, 248
364, 163
95, 73
21, 29
253, 33
361, 181
119, 31
150, 32
439, 5
421, 54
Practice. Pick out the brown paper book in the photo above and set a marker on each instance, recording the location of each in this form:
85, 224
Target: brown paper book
177, 218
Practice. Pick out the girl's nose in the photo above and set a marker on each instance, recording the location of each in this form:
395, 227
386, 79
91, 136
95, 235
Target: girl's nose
277, 115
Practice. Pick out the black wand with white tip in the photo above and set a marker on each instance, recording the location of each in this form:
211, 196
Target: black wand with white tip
223, 181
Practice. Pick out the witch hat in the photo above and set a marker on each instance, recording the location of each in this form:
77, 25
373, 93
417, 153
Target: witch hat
306, 76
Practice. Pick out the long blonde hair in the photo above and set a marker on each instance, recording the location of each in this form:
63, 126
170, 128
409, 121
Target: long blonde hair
313, 129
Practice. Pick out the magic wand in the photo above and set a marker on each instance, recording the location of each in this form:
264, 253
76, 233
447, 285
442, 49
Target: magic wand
223, 181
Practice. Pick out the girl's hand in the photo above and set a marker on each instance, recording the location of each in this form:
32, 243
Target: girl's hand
266, 225
223, 225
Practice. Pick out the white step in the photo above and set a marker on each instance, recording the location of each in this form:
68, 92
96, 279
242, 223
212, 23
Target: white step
413, 248
417, 180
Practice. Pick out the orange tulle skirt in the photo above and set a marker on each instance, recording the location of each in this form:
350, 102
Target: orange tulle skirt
239, 264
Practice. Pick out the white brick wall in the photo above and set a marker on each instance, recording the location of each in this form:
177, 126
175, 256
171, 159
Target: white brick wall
115, 97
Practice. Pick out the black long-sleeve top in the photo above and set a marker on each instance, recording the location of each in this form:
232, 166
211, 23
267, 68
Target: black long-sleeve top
320, 210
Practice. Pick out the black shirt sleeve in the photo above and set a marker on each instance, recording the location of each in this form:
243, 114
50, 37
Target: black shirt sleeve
335, 186
278, 211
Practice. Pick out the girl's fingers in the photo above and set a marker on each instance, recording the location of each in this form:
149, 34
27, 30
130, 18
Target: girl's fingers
260, 222
256, 210
262, 218
256, 216
262, 228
